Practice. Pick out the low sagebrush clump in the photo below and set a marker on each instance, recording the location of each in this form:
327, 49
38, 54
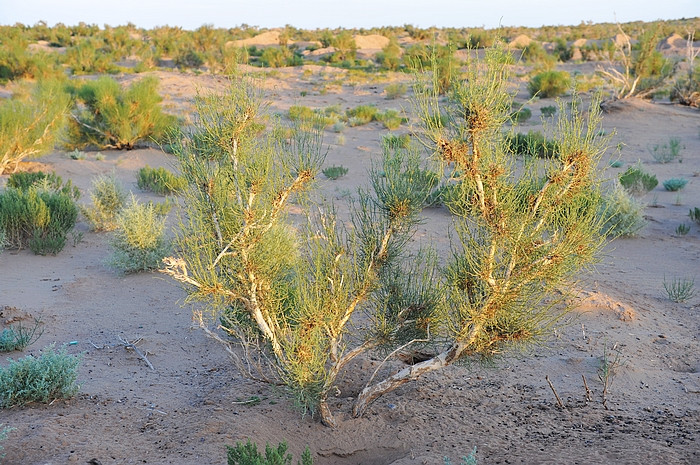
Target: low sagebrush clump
247, 454
50, 376
395, 90
667, 152
624, 215
532, 144
675, 184
549, 84
38, 216
335, 172
108, 197
159, 180
139, 243
19, 337
521, 115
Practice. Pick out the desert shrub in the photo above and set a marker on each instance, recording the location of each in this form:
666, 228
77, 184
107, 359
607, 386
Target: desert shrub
87, 57
694, 214
675, 184
50, 376
521, 115
18, 337
29, 126
160, 180
189, 59
667, 152
335, 172
390, 57
108, 197
532, 144
16, 62
139, 242
644, 68
562, 50
362, 114
51, 181
522, 234
395, 141
623, 214
38, 217
637, 181
390, 119
112, 117
247, 454
548, 111
549, 84
300, 112
395, 90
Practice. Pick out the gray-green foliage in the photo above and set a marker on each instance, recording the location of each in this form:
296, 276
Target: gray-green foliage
18, 337
31, 123
4, 431
667, 152
50, 376
334, 172
680, 289
622, 213
247, 454
694, 214
675, 184
108, 197
139, 242
466, 460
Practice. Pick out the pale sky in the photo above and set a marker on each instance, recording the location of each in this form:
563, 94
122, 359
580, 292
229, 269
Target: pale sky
312, 14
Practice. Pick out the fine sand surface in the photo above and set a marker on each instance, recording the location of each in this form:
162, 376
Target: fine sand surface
192, 404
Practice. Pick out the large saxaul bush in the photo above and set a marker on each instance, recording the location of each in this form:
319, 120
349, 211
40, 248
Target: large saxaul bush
287, 294
109, 116
30, 123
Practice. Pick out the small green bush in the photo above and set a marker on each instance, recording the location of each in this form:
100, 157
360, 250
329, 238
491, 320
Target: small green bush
666, 153
394, 141
108, 197
160, 181
521, 115
139, 243
675, 184
549, 84
362, 114
390, 119
335, 172
38, 217
30, 125
637, 181
395, 90
548, 111
24, 180
622, 214
680, 290
112, 117
18, 337
88, 57
189, 59
532, 144
247, 454
51, 376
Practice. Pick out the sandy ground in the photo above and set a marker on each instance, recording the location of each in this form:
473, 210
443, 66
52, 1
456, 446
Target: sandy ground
190, 406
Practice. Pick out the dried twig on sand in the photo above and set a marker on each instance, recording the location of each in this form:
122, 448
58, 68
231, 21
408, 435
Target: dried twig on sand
132, 345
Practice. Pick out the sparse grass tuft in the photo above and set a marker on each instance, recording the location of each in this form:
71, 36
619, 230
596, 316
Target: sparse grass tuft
680, 289
667, 152
160, 181
694, 214
395, 90
108, 197
19, 337
682, 229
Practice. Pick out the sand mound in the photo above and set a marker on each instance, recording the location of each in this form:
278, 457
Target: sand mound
579, 42
520, 41
372, 41
591, 301
43, 46
266, 39
673, 42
